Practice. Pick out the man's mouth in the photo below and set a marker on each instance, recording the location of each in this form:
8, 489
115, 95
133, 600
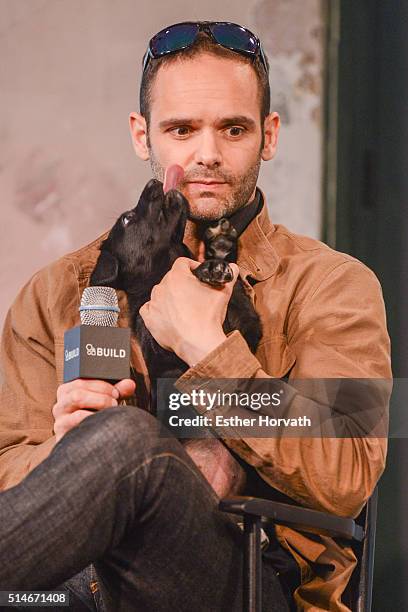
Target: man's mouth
206, 184
206, 181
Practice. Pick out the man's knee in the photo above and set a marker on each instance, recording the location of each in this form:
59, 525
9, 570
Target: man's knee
128, 427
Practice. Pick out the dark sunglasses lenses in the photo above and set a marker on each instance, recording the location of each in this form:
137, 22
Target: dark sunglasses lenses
235, 37
173, 38
181, 36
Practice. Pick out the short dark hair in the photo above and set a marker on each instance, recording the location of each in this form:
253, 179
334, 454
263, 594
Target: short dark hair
204, 44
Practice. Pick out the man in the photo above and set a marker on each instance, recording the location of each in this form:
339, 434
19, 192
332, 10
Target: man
113, 493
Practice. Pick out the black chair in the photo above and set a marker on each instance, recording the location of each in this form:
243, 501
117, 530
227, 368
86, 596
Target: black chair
360, 531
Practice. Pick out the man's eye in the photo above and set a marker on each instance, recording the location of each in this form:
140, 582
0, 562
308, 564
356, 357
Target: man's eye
181, 130
235, 131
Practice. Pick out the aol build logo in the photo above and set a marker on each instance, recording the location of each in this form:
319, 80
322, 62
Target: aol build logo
101, 351
71, 354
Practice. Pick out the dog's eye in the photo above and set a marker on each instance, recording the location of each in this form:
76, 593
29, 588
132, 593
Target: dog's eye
126, 219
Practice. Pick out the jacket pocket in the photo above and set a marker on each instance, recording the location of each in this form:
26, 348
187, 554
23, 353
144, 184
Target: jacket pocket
276, 356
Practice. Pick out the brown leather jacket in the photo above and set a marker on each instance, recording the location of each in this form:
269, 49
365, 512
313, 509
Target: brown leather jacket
323, 317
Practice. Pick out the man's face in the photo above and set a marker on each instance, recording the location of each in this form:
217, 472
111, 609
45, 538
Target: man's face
205, 116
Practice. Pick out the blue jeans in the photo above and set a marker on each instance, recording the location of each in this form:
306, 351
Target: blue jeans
121, 517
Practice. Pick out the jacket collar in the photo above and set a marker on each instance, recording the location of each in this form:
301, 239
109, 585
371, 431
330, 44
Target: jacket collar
256, 255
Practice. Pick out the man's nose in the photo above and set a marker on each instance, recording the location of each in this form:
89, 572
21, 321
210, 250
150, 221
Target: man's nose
208, 152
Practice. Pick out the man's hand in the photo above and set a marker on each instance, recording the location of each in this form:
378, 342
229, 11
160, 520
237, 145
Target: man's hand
75, 397
218, 466
185, 315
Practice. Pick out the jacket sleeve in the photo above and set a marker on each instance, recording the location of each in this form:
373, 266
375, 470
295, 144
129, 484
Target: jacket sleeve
338, 332
28, 371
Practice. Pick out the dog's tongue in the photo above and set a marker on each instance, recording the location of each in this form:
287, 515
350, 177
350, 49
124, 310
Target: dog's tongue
174, 174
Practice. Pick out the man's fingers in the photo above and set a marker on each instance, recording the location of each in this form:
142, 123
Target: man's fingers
185, 263
201, 252
69, 421
235, 271
126, 387
80, 398
97, 386
144, 311
155, 292
192, 264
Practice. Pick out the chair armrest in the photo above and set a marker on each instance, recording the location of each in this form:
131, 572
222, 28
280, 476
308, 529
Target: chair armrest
296, 517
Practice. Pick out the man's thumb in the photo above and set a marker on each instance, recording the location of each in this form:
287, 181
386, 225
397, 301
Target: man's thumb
235, 271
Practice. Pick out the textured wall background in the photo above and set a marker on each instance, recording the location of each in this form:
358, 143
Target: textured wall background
69, 76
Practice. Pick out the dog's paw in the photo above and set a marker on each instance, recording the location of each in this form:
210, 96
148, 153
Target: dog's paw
221, 228
221, 240
216, 272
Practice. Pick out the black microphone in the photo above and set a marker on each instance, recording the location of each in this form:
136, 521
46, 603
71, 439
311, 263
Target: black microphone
97, 348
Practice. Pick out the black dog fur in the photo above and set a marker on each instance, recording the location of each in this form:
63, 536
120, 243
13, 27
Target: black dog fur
143, 245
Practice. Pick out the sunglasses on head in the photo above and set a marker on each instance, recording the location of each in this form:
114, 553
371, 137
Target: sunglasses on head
182, 36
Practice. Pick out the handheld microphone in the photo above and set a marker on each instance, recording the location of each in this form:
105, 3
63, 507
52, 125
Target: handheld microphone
97, 348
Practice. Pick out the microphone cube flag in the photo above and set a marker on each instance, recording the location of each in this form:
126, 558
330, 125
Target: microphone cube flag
93, 351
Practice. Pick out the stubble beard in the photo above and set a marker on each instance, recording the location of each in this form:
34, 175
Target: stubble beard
222, 206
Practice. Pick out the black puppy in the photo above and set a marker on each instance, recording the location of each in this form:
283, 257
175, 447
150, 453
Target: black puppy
143, 245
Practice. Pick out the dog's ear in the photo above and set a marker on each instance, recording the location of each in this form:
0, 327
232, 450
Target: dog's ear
106, 271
